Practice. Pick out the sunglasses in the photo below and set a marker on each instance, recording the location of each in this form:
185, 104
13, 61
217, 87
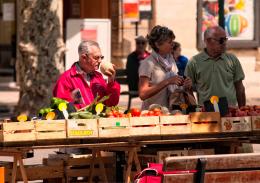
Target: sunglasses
220, 40
141, 42
96, 57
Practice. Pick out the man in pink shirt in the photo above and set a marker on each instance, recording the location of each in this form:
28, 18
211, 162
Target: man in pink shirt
82, 82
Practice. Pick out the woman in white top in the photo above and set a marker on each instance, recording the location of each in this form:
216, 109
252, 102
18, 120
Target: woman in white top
158, 71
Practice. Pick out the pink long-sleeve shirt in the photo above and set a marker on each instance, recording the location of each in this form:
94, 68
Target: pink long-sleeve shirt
72, 80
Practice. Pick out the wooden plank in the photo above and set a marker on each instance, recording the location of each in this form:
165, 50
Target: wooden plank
87, 161
113, 127
252, 176
175, 119
17, 131
50, 129
203, 122
84, 172
178, 178
145, 126
216, 177
178, 124
82, 128
145, 120
37, 172
229, 161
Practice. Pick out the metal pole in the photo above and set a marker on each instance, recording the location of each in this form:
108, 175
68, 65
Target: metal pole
136, 28
221, 20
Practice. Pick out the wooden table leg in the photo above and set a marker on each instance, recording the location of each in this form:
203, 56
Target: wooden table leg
233, 148
101, 166
137, 162
14, 171
129, 165
22, 169
94, 153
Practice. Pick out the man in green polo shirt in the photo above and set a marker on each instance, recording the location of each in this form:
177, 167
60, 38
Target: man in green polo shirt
215, 72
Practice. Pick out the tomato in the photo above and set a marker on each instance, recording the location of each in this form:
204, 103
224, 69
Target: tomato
157, 113
135, 112
150, 113
155, 110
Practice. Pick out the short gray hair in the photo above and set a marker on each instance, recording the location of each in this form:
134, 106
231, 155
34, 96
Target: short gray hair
85, 45
211, 30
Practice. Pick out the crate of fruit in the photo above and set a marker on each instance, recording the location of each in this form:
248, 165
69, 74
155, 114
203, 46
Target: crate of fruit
50, 129
113, 127
17, 131
82, 128
175, 124
144, 125
204, 122
236, 124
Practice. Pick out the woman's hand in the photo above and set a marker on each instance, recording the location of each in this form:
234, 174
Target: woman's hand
176, 80
187, 83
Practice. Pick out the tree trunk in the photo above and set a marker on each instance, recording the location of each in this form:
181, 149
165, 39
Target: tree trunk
40, 52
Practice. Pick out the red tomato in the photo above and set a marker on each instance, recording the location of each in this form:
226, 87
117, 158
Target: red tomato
135, 112
157, 113
150, 113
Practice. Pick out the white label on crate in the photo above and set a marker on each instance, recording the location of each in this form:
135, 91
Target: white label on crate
72, 124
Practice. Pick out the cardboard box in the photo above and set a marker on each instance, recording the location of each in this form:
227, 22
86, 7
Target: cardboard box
236, 124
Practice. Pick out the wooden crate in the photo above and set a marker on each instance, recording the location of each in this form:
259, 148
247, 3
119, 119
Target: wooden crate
204, 122
256, 123
236, 124
175, 124
113, 127
79, 166
50, 129
82, 128
161, 155
142, 126
17, 131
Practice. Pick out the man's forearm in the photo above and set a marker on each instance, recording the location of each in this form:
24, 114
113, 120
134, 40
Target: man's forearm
240, 94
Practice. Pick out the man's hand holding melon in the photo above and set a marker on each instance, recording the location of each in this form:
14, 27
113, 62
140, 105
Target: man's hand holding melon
108, 69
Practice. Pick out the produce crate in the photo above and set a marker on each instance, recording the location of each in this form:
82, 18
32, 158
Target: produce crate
142, 126
175, 124
164, 154
256, 123
236, 124
113, 127
82, 128
204, 122
50, 129
17, 131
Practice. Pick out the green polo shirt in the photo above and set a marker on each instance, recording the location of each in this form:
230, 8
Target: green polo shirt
215, 76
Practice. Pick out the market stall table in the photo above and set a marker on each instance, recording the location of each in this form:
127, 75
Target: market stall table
131, 145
